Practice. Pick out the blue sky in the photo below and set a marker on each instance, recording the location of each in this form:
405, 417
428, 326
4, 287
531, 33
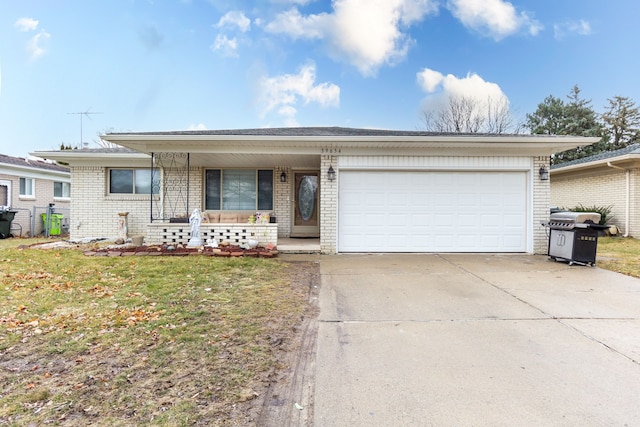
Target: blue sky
150, 65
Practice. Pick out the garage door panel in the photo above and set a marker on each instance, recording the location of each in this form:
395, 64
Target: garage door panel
393, 211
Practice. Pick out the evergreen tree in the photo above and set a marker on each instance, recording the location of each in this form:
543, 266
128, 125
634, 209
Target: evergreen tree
574, 117
622, 122
580, 118
548, 119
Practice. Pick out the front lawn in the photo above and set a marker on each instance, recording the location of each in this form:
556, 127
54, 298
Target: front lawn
621, 254
142, 340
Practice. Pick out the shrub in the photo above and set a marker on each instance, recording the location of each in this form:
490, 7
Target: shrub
604, 211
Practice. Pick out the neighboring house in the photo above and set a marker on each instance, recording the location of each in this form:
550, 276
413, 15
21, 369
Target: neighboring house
606, 179
358, 190
29, 183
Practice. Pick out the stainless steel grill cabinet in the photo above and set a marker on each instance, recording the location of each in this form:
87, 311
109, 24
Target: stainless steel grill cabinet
573, 237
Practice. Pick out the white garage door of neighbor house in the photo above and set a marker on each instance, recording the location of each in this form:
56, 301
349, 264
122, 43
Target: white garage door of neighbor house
394, 211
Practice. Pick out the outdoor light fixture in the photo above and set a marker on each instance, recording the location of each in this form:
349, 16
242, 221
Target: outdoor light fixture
283, 177
331, 174
544, 173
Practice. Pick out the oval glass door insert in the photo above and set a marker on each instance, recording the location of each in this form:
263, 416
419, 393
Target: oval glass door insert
306, 198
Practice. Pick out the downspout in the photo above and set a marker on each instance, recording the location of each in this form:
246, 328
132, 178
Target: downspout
627, 210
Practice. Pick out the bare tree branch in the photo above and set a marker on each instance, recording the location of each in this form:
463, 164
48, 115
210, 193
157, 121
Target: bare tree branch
470, 115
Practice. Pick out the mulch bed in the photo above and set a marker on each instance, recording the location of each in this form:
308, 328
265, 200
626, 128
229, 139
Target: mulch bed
181, 250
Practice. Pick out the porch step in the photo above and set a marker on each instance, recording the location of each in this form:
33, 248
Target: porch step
290, 245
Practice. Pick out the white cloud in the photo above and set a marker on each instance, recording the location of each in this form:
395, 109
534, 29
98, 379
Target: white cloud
441, 88
199, 126
37, 45
288, 113
581, 27
300, 2
365, 33
235, 19
26, 24
494, 18
297, 26
430, 79
226, 46
472, 85
283, 93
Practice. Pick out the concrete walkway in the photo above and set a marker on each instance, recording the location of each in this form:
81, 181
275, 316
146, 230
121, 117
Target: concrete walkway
475, 340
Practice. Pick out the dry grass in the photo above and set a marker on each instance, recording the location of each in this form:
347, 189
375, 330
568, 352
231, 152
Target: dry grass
619, 254
139, 340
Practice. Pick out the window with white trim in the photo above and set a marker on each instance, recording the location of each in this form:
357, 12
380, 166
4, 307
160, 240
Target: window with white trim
27, 187
133, 181
239, 189
61, 190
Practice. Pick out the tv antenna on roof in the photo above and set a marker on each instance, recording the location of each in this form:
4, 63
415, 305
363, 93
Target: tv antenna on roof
81, 114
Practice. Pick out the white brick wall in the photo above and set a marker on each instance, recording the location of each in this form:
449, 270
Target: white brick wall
282, 201
634, 205
328, 205
95, 214
541, 198
602, 188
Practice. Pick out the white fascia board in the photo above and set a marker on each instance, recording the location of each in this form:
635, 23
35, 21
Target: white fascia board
34, 172
87, 158
533, 144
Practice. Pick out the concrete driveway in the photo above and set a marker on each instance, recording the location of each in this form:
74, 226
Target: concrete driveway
475, 340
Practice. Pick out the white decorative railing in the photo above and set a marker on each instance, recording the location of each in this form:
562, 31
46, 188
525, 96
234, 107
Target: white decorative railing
234, 234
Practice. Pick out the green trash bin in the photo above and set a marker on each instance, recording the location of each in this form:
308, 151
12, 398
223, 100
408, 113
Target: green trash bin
55, 226
6, 216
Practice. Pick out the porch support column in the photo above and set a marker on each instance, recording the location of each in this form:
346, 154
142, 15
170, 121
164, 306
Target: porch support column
328, 205
541, 203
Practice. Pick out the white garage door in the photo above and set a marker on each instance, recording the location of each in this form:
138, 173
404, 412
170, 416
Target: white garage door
392, 211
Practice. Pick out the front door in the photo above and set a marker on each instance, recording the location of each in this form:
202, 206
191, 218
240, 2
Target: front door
306, 217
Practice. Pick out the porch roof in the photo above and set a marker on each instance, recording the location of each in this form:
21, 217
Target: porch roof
322, 140
303, 146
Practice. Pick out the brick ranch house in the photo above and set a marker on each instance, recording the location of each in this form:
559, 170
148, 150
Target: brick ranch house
358, 190
605, 179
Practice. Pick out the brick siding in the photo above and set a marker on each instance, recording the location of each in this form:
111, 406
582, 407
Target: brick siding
599, 189
541, 197
328, 206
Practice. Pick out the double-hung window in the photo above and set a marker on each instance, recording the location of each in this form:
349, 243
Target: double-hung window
133, 181
61, 190
27, 187
238, 189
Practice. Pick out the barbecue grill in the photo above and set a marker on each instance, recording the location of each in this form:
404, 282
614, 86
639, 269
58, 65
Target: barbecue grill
573, 237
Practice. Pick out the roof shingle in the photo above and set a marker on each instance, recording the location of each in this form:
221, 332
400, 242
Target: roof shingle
32, 163
629, 149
